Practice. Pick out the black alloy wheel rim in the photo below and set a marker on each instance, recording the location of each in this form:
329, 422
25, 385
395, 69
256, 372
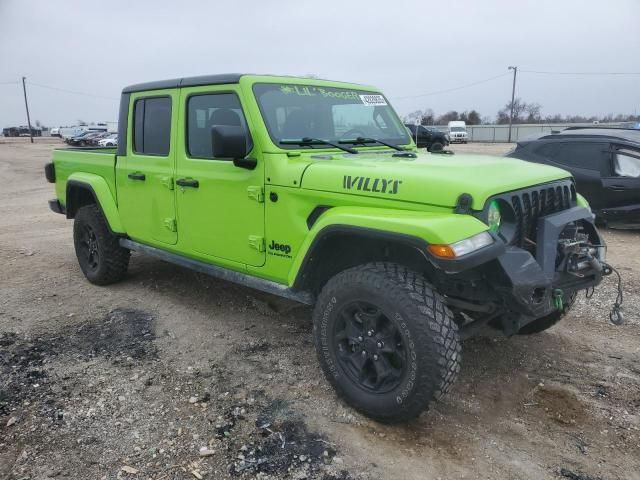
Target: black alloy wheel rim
369, 347
89, 247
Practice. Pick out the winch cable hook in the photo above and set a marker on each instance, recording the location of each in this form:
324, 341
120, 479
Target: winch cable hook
615, 315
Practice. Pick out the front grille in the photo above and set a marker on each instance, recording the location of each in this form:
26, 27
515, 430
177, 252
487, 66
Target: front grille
533, 203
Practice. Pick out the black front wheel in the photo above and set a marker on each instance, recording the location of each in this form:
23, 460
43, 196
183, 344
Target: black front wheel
386, 341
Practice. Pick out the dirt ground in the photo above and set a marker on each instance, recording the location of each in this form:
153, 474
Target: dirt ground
175, 375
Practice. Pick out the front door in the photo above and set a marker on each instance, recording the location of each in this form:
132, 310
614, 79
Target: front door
220, 206
622, 186
146, 199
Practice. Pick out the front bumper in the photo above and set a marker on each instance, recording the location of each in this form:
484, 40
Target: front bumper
529, 285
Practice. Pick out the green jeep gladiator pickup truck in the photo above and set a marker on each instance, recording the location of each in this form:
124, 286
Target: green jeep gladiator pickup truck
314, 190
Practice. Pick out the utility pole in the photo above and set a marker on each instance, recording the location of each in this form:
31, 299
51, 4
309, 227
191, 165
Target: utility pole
513, 96
26, 105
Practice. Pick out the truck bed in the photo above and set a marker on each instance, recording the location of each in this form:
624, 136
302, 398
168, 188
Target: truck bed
98, 161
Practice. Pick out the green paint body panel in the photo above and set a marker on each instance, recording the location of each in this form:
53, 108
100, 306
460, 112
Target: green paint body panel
255, 221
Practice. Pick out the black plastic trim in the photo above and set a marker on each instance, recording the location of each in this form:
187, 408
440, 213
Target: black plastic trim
50, 172
315, 214
415, 242
56, 206
123, 124
219, 79
223, 273
86, 186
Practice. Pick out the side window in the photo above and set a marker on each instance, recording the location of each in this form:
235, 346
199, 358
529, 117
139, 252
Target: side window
152, 126
206, 111
548, 150
586, 155
626, 162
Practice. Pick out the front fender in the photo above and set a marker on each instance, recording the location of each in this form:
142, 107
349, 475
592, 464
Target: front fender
419, 228
100, 189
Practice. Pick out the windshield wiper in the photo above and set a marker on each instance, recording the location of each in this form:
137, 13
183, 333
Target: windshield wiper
315, 141
364, 141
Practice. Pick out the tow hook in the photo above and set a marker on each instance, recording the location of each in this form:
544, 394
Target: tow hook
558, 301
615, 315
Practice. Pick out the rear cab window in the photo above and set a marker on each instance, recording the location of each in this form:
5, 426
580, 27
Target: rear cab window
152, 126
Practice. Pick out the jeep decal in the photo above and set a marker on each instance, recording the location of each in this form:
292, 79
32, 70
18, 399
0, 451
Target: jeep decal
368, 184
279, 249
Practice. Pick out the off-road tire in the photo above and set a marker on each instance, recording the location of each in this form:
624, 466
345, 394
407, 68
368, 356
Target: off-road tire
544, 323
112, 259
436, 147
424, 323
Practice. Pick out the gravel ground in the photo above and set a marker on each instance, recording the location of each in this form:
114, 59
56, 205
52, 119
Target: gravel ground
175, 375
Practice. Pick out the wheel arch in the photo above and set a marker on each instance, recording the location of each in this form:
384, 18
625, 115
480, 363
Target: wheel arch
338, 247
90, 189
343, 237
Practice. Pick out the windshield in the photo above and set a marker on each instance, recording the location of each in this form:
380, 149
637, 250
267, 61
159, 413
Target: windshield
333, 114
458, 129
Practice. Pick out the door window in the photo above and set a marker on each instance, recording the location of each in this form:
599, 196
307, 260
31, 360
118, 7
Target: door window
587, 155
627, 163
206, 111
152, 126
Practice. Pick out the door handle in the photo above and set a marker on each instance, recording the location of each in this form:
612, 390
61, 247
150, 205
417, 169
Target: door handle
137, 176
617, 188
187, 182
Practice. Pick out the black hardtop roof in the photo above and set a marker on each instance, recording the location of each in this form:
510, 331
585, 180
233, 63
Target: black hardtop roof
220, 79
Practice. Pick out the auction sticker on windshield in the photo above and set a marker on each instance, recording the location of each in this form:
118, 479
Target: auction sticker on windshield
373, 100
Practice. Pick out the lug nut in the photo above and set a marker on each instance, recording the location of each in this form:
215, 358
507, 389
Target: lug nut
380, 344
370, 333
360, 338
364, 354
375, 357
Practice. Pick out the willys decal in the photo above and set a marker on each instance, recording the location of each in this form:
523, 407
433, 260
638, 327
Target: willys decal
368, 184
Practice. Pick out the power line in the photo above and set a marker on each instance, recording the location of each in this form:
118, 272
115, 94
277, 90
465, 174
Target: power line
71, 91
579, 73
452, 89
9, 83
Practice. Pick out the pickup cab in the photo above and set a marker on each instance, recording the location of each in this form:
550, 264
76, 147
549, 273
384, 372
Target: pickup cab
313, 190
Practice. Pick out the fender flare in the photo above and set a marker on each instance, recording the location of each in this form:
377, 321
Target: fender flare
415, 229
101, 193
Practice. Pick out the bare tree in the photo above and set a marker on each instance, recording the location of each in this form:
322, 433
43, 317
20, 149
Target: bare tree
448, 117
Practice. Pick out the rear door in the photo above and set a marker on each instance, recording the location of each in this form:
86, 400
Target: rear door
146, 198
622, 185
587, 161
220, 206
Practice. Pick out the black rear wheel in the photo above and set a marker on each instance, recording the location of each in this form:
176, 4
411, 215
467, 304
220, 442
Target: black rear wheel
100, 256
385, 340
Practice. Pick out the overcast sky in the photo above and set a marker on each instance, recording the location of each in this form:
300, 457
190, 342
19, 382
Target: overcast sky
405, 47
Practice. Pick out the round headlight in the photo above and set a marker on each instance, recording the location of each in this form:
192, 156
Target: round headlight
494, 217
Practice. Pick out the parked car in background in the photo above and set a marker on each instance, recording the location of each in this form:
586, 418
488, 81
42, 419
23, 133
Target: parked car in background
427, 137
605, 163
110, 140
458, 132
93, 141
83, 139
55, 132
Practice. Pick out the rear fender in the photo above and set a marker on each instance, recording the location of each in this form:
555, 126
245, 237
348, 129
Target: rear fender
78, 184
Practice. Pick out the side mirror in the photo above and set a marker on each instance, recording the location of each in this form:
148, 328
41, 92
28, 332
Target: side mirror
231, 142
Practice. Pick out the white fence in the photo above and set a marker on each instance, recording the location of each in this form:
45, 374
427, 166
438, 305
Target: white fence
500, 133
